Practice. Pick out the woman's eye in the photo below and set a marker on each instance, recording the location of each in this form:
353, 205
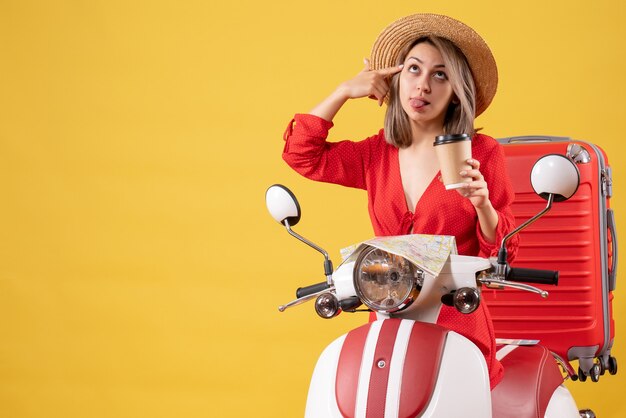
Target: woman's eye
413, 68
440, 75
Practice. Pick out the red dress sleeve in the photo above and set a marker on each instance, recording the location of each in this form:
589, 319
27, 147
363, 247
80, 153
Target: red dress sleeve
307, 152
501, 195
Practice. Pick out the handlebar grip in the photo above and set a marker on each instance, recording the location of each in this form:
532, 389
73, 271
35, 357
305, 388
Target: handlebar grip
309, 290
517, 274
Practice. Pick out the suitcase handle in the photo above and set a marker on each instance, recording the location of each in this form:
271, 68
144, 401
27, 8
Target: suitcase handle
533, 138
610, 221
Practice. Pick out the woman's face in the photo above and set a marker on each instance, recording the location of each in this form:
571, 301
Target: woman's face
425, 92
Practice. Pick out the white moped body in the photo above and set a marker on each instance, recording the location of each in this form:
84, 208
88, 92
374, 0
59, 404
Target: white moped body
447, 398
404, 365
447, 378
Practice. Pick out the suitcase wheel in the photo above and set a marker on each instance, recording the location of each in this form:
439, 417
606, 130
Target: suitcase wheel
607, 363
612, 365
594, 373
604, 364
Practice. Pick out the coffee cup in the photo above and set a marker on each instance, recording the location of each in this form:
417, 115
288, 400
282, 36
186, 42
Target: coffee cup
453, 151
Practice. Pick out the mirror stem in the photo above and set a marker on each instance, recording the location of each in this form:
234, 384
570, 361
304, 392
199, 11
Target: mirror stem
328, 264
502, 255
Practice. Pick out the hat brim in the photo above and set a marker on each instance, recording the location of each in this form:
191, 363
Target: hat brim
399, 34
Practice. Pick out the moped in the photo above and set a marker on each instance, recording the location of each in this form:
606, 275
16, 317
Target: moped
405, 365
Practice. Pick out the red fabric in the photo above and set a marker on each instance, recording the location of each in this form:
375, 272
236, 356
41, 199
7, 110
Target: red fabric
372, 164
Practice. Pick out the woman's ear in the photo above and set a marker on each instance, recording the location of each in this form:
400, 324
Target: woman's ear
455, 100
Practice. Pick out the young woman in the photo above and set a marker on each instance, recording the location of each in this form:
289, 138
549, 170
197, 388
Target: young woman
436, 75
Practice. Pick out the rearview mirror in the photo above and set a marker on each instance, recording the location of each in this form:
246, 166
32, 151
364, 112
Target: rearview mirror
282, 204
555, 175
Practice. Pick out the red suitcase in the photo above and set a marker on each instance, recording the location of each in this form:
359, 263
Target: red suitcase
576, 237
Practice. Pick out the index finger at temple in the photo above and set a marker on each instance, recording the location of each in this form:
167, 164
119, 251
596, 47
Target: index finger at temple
390, 70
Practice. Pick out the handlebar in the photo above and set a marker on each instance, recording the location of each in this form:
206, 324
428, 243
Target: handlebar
309, 290
350, 304
517, 274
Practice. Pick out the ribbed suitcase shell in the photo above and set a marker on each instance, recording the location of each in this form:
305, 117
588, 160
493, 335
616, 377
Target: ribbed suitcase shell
577, 238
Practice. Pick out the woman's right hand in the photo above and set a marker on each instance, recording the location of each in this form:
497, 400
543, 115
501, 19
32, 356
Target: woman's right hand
369, 83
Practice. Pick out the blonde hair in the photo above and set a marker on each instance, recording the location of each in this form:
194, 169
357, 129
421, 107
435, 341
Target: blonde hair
459, 117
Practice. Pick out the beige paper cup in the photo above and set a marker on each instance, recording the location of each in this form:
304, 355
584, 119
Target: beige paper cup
453, 151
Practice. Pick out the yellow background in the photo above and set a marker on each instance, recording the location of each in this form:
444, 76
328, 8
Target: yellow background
139, 270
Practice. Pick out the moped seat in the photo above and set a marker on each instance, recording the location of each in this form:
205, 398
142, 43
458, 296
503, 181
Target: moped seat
531, 376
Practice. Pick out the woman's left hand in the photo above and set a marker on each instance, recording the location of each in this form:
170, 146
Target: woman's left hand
476, 190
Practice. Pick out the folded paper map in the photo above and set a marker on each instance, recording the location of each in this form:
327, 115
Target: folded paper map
428, 252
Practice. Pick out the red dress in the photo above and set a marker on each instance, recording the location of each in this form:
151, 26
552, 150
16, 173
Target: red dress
372, 164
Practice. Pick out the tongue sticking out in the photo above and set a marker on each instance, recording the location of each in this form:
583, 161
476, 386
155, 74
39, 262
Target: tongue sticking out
418, 103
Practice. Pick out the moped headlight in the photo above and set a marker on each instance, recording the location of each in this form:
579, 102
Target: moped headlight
386, 282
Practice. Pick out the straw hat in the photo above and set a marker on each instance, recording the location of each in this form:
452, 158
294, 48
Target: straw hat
395, 37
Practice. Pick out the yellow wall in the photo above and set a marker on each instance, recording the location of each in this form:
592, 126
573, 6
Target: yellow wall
139, 270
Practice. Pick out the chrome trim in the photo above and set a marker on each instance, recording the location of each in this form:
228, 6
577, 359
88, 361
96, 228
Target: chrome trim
567, 368
607, 181
501, 267
410, 298
336, 309
306, 298
458, 305
496, 283
329, 275
578, 153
